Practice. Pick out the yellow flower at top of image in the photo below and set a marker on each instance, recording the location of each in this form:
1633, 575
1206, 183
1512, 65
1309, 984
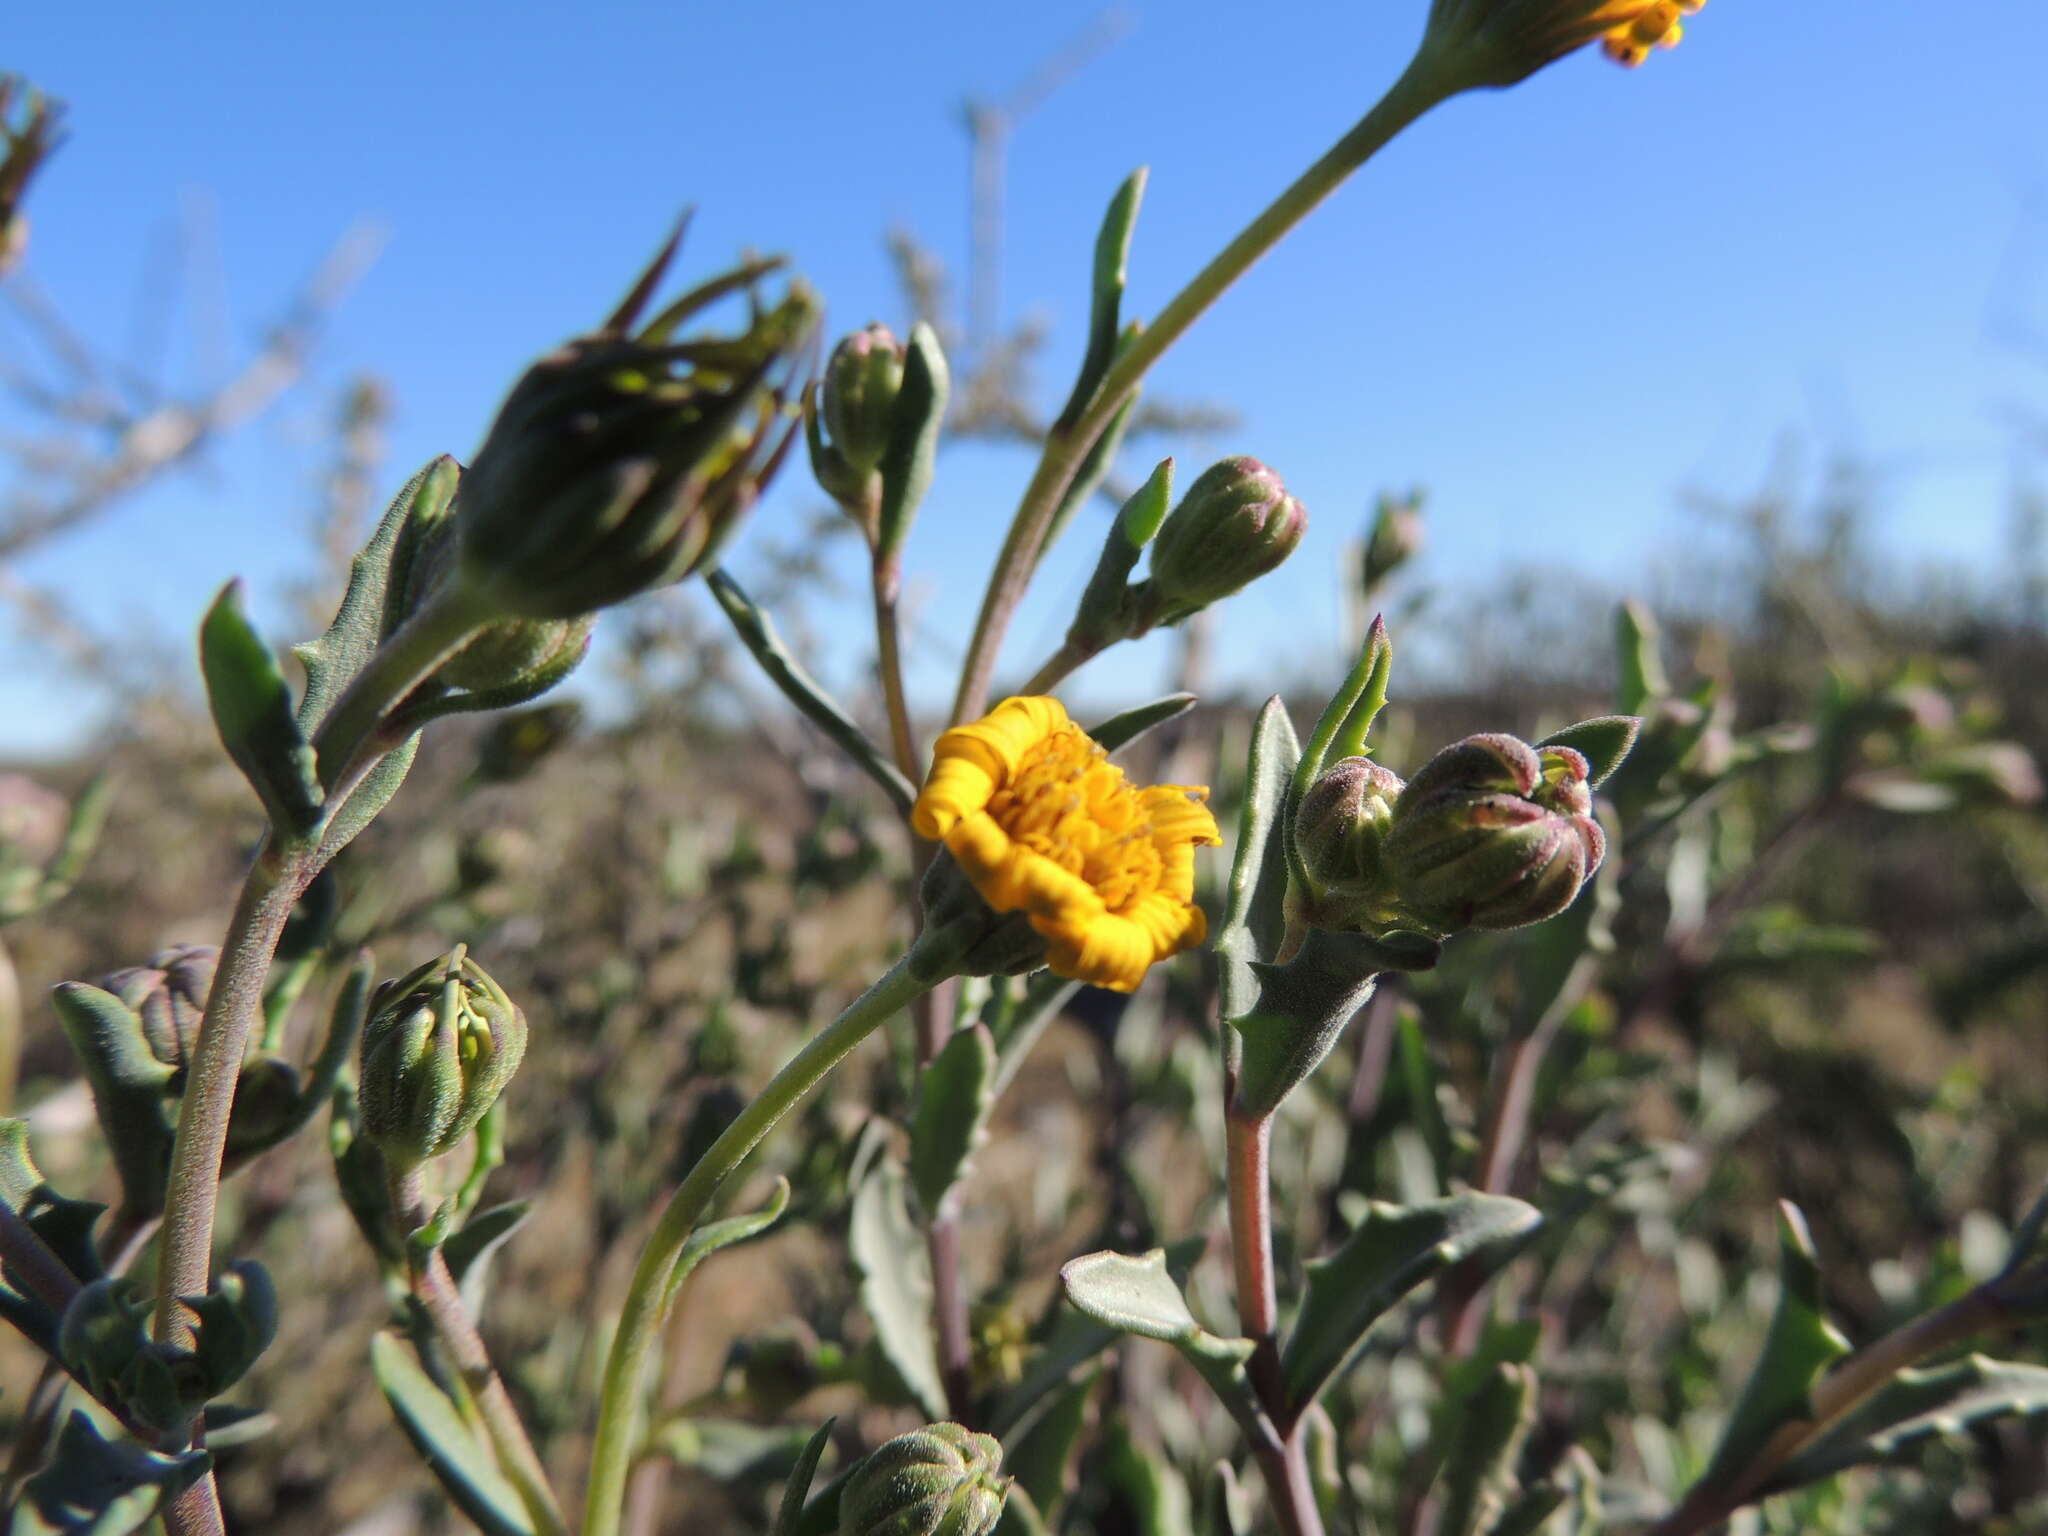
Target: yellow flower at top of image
1041, 822
1658, 25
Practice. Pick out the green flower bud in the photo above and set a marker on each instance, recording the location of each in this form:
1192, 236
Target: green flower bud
266, 1104
942, 1480
439, 1047
519, 741
169, 996
1493, 833
622, 459
858, 395
1340, 831
1235, 523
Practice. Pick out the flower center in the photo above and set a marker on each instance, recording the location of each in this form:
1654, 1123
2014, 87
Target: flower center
1067, 801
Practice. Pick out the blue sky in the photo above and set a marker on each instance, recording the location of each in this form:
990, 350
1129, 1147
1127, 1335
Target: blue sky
1559, 307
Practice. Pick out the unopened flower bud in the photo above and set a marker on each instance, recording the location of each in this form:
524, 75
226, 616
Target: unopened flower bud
622, 459
1396, 538
439, 1047
169, 996
942, 1480
859, 393
1235, 523
1340, 831
1493, 833
24, 147
267, 1103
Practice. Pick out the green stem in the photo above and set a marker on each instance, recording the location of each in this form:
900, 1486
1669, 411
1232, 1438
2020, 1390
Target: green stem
405, 660
440, 1301
640, 1318
889, 663
233, 1007
1420, 87
1060, 665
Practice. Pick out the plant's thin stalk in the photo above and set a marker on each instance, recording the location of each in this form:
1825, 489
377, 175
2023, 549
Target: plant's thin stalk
1284, 1459
949, 1312
1836, 1395
1059, 666
888, 583
440, 1302
640, 1317
196, 1511
1421, 86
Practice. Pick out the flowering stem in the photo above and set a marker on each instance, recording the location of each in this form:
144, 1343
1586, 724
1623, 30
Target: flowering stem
889, 663
1284, 1461
640, 1317
1419, 88
1060, 665
440, 1303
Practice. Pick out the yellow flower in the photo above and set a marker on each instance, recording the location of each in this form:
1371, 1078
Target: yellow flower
1042, 823
1652, 26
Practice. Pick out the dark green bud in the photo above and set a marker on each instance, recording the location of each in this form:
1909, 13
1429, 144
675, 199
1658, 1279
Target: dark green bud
1235, 523
1493, 833
621, 461
266, 1104
519, 741
439, 1047
1340, 831
942, 1480
168, 996
515, 655
977, 939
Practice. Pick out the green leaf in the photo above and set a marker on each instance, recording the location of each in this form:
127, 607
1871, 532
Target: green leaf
732, 1450
913, 449
1105, 615
1916, 1406
482, 1235
130, 1090
1138, 1295
1106, 293
252, 708
708, 1239
364, 618
1391, 1251
896, 1281
461, 1463
1346, 721
1226, 1507
1119, 731
1603, 741
1418, 1087
1157, 1498
1040, 1454
1800, 1345
94, 1486
1636, 644
955, 1094
1254, 913
1303, 1006
798, 1488
1094, 469
232, 1325
1485, 1441
757, 634
368, 798
64, 1224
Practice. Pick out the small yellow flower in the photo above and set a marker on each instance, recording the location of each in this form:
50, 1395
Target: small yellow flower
1042, 823
1652, 26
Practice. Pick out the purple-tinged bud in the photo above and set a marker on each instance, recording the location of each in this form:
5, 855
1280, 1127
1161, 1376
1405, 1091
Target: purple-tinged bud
942, 1480
1340, 831
1235, 523
1396, 539
623, 458
1493, 833
168, 995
